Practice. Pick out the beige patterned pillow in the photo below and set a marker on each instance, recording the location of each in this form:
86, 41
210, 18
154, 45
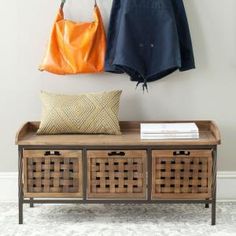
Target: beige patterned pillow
91, 113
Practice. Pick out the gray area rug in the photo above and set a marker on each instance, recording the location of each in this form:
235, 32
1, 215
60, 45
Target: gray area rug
117, 220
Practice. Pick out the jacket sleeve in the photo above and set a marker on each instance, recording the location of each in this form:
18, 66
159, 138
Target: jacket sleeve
112, 37
187, 55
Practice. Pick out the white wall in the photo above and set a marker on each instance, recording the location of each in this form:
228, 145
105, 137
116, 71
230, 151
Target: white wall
205, 93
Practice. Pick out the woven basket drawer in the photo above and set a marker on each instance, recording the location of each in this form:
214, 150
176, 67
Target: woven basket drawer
117, 174
52, 173
185, 174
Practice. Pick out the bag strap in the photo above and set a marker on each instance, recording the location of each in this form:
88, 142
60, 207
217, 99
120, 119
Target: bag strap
62, 4
64, 1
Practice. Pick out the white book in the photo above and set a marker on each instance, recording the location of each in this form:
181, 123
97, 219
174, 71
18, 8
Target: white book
167, 133
171, 135
169, 138
153, 137
168, 128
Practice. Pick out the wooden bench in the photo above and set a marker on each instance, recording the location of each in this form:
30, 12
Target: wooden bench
117, 168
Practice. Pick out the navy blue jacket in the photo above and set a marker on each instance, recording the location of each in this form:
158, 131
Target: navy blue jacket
148, 39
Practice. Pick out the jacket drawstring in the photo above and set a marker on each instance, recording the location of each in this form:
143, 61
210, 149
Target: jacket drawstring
144, 86
139, 82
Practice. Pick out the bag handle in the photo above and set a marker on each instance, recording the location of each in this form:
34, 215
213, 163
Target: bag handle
62, 4
64, 1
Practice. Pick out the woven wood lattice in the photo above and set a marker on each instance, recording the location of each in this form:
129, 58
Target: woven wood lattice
182, 175
53, 175
117, 177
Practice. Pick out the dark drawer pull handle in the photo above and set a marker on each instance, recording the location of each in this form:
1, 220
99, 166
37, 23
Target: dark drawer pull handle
116, 154
181, 153
52, 153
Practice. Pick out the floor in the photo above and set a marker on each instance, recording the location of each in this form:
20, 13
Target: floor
117, 220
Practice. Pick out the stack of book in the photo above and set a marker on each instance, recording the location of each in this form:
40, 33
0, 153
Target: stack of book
169, 131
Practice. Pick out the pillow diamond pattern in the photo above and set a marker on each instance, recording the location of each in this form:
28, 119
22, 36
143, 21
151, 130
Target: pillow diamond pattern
91, 113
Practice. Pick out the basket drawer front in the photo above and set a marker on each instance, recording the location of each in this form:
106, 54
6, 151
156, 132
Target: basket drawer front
117, 174
181, 174
52, 173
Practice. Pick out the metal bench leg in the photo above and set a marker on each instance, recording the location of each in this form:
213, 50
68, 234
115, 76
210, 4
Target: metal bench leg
31, 202
213, 213
207, 205
214, 171
20, 187
20, 213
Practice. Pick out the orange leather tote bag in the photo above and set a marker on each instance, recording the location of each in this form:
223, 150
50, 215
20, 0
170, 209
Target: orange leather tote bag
75, 47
